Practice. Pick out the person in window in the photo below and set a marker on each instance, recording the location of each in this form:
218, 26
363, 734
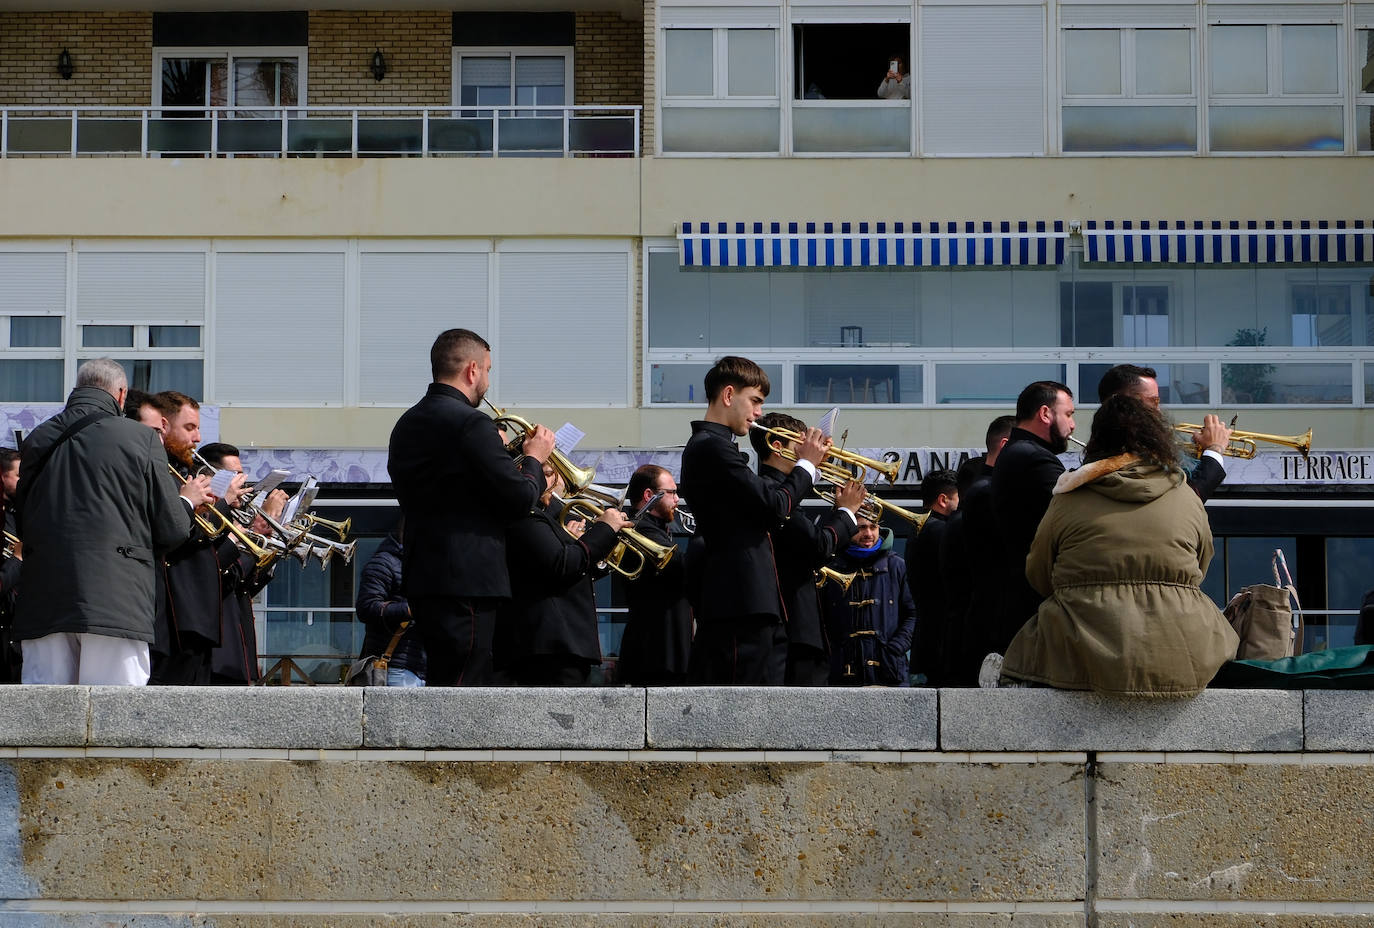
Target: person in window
1120, 556
897, 84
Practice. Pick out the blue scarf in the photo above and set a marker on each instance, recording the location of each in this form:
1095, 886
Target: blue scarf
858, 553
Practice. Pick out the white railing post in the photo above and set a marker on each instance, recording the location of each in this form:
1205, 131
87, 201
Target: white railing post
283, 131
143, 133
354, 144
567, 130
496, 133
73, 132
424, 133
636, 140
4, 133
214, 133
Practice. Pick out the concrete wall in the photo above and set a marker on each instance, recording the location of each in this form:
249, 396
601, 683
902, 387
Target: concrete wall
682, 807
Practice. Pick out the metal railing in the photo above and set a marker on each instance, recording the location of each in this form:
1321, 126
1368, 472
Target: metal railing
320, 131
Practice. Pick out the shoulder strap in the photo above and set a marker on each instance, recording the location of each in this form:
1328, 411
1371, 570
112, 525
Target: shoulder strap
32, 471
385, 659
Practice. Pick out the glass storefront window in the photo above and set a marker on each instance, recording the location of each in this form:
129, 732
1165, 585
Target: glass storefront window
989, 384
1292, 384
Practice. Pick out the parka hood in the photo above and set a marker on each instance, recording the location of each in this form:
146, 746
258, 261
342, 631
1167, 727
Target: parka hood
1125, 478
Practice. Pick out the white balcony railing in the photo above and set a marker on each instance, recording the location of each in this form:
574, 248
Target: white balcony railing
320, 131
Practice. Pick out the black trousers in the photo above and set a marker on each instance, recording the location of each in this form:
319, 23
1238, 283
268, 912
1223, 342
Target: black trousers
807, 666
747, 650
551, 670
457, 634
189, 666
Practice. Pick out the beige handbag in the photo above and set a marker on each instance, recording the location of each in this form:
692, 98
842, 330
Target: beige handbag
1268, 619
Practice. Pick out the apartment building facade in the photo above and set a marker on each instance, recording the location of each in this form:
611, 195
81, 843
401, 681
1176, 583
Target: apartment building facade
274, 209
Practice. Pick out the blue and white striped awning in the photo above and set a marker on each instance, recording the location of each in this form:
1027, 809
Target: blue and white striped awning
871, 244
1292, 241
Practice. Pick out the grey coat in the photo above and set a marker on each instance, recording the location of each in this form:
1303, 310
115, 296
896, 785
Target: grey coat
93, 520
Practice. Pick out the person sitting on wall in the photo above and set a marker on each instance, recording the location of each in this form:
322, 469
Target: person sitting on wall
896, 83
1120, 556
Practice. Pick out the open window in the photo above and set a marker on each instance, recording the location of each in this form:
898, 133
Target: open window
847, 61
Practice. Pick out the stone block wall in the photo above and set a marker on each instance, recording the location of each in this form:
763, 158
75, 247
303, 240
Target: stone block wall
417, 46
708, 808
112, 58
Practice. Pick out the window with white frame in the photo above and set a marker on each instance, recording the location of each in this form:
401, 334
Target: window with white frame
495, 77
720, 90
1275, 87
1129, 89
33, 299
1364, 90
209, 77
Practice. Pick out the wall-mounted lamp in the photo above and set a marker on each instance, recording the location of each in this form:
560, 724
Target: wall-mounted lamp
378, 65
64, 64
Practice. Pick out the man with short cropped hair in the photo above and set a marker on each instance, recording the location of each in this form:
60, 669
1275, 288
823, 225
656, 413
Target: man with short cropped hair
459, 493
95, 502
658, 630
931, 651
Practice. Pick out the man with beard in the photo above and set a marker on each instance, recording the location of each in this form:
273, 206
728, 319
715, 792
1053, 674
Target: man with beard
658, 634
9, 568
234, 661
1022, 483
1211, 441
190, 628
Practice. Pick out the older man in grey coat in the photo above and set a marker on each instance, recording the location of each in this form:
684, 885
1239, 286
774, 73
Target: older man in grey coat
96, 504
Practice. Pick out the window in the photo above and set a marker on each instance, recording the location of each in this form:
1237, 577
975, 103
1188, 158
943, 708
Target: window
720, 90
1364, 90
29, 374
155, 357
229, 77
1275, 88
841, 98
1320, 313
490, 77
1129, 90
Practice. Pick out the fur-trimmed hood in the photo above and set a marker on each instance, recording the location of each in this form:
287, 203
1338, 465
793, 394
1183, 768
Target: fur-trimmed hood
1124, 477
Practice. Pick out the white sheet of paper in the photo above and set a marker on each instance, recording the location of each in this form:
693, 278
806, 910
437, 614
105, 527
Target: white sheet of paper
566, 438
219, 483
827, 423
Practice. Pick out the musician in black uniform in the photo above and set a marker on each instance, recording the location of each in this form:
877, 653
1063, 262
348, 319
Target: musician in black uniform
459, 493
10, 654
1211, 440
740, 636
802, 546
192, 620
932, 650
234, 660
546, 633
658, 633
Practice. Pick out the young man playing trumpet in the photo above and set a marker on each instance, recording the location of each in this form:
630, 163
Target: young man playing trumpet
740, 637
801, 547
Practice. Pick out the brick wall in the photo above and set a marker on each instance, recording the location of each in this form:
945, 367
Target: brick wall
648, 122
111, 57
608, 60
417, 47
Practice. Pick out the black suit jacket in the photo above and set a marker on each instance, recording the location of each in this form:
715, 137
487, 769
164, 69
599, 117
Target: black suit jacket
553, 610
658, 633
459, 492
734, 509
928, 592
1206, 477
802, 547
1022, 483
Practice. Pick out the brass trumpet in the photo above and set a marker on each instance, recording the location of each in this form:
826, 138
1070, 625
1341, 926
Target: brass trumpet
12, 544
215, 523
838, 456
338, 528
646, 550
831, 575
1245, 444
575, 479
873, 506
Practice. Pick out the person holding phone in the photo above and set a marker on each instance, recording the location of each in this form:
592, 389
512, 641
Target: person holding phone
897, 84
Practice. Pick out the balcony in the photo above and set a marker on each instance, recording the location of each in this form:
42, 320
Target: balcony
321, 132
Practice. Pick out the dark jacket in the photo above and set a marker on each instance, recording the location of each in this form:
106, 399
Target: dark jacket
1022, 483
193, 579
928, 653
982, 548
382, 607
235, 658
92, 520
871, 624
658, 633
803, 546
1206, 477
459, 492
734, 509
553, 610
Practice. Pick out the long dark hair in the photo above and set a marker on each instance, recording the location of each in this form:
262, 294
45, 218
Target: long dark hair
1125, 425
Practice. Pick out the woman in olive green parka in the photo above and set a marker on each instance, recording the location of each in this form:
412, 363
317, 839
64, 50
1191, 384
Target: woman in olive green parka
1120, 556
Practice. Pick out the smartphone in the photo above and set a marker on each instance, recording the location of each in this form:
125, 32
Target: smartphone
893, 65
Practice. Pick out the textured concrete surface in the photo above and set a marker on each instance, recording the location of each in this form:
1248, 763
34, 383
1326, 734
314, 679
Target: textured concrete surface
1035, 719
1338, 720
116, 829
792, 718
558, 920
227, 717
500, 717
1232, 920
43, 715
1231, 831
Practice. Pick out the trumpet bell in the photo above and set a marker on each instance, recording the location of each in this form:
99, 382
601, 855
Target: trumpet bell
831, 575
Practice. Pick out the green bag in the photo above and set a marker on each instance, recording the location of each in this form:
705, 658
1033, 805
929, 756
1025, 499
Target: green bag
1333, 669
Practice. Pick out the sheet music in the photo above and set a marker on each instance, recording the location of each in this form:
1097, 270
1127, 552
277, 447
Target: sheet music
566, 438
827, 423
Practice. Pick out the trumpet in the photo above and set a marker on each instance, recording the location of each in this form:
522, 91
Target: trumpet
1246, 444
215, 523
829, 574
309, 519
645, 550
575, 479
11, 546
836, 456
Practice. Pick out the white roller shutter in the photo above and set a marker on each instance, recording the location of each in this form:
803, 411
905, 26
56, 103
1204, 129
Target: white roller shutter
1116, 15
33, 283
763, 15
564, 329
983, 80
279, 321
406, 299
133, 287
852, 11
